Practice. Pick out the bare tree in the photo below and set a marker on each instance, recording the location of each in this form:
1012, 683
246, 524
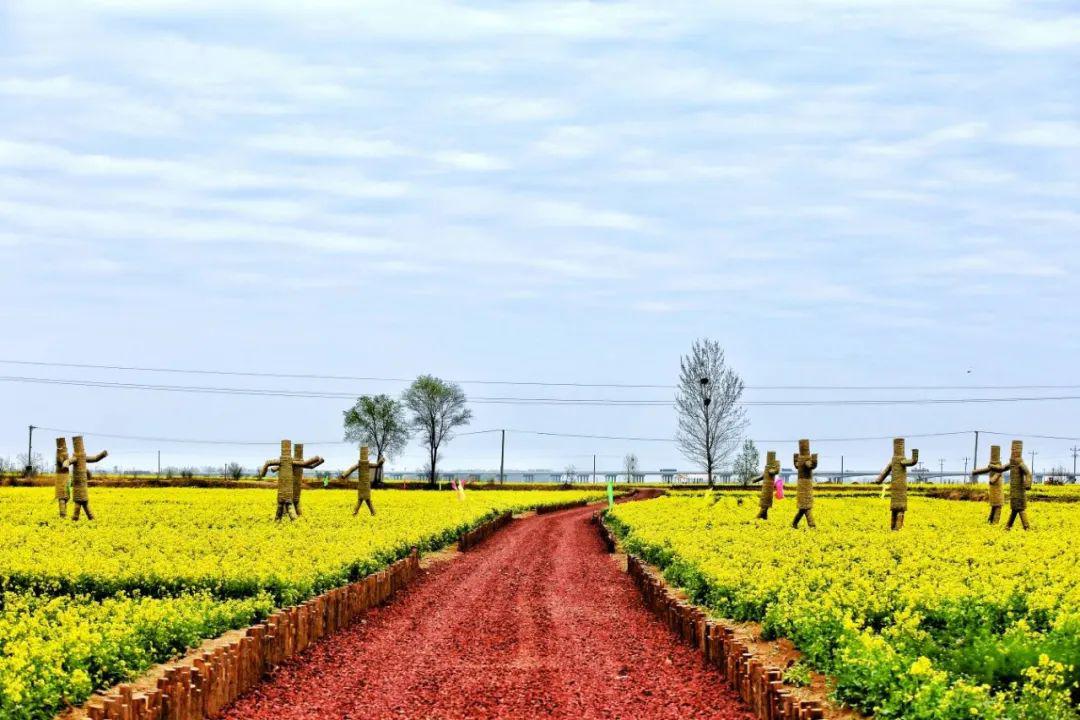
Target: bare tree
570, 472
630, 463
234, 470
710, 416
378, 421
437, 408
31, 464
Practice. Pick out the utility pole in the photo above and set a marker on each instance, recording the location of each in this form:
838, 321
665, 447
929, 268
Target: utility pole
594, 468
502, 459
1033, 454
941, 466
30, 453
1075, 451
965, 466
841, 469
159, 463
975, 462
706, 399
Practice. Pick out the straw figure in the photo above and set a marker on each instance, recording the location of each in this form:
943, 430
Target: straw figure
996, 495
768, 484
284, 466
1019, 484
897, 467
363, 479
805, 464
299, 465
80, 475
60, 481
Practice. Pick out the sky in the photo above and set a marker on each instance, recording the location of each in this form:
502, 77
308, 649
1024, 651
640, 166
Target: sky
841, 192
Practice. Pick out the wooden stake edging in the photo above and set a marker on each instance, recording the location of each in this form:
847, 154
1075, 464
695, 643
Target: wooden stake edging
201, 685
472, 538
760, 687
554, 507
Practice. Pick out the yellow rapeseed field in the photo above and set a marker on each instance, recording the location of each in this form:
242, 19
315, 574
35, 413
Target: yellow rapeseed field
949, 618
88, 604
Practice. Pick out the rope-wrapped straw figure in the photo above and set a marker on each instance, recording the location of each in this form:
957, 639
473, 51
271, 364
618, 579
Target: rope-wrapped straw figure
897, 467
80, 475
768, 484
284, 466
996, 471
805, 464
363, 479
299, 465
1019, 484
60, 480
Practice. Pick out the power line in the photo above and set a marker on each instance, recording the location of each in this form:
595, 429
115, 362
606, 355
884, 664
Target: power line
1027, 435
542, 433
911, 401
314, 376
483, 400
194, 441
191, 441
628, 438
591, 437
756, 440
659, 386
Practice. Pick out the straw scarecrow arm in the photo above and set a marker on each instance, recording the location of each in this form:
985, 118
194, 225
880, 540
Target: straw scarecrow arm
883, 474
914, 458
267, 466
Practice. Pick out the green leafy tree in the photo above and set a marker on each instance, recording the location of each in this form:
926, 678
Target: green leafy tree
378, 421
746, 464
436, 408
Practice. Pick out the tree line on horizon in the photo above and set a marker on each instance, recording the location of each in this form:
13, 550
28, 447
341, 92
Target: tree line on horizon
711, 419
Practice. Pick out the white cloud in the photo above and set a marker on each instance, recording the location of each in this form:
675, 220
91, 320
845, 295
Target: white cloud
925, 143
571, 141
573, 214
470, 161
515, 109
998, 261
660, 307
61, 87
1046, 134
320, 145
193, 175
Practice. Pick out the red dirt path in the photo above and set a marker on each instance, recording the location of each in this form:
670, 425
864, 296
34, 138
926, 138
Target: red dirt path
536, 622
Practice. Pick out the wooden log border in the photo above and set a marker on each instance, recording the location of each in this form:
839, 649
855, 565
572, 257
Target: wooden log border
472, 538
760, 686
554, 507
202, 685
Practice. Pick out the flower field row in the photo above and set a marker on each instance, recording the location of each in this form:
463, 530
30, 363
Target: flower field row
163, 542
950, 618
89, 604
56, 651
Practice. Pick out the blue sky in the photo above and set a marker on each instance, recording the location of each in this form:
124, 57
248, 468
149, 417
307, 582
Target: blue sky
840, 191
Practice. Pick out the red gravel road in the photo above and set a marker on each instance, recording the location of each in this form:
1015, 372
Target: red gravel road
536, 622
